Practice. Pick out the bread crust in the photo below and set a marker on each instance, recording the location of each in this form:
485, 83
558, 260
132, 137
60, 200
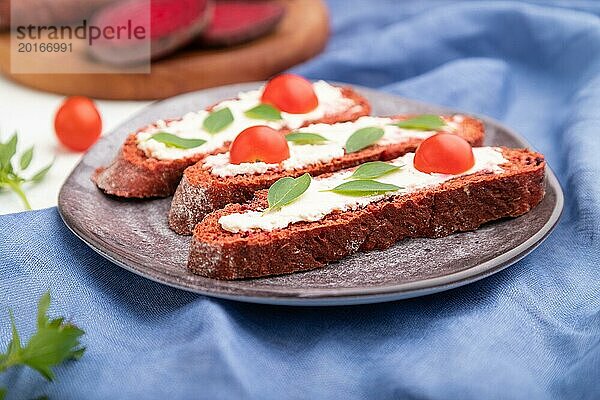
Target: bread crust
461, 204
200, 192
134, 175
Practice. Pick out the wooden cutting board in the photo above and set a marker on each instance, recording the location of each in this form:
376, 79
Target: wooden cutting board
301, 34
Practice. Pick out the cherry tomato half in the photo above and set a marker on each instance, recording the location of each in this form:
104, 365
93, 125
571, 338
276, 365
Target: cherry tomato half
259, 143
290, 93
77, 123
444, 153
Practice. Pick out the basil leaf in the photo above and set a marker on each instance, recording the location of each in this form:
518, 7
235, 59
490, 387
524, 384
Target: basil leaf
286, 190
373, 169
218, 120
265, 112
42, 173
362, 138
425, 122
11, 179
7, 151
26, 158
3, 151
364, 187
305, 138
53, 343
176, 141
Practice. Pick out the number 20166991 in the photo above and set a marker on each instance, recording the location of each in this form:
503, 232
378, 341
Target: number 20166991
26, 47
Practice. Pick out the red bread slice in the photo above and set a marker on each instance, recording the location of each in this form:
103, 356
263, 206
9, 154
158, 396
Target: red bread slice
237, 21
201, 192
461, 204
132, 174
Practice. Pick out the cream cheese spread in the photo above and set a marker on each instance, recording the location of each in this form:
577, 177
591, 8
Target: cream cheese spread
317, 202
331, 101
336, 134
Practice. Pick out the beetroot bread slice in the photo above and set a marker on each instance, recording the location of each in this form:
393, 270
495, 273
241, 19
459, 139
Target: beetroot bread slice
200, 192
237, 21
460, 204
134, 175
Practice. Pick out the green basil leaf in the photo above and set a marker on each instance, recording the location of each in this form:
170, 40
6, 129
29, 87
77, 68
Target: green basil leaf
362, 138
265, 112
26, 158
373, 169
11, 179
41, 174
3, 151
176, 141
14, 346
425, 122
53, 343
7, 151
364, 187
286, 190
305, 138
218, 120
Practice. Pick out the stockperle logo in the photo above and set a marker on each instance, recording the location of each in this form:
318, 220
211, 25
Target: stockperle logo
97, 42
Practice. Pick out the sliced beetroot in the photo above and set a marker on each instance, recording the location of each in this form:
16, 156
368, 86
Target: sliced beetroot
173, 23
238, 21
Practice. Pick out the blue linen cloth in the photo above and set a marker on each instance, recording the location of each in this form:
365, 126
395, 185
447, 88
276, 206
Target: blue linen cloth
529, 332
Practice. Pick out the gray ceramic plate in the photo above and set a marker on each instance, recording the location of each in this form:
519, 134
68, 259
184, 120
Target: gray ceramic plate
134, 234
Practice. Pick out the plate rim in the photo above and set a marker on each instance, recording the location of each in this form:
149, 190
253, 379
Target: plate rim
355, 295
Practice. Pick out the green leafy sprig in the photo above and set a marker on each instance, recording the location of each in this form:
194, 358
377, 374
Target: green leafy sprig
54, 342
305, 138
171, 140
218, 120
424, 122
362, 138
364, 187
286, 190
373, 169
11, 175
264, 111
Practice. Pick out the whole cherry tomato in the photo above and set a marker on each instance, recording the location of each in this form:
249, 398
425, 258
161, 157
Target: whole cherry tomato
444, 153
259, 143
290, 93
77, 123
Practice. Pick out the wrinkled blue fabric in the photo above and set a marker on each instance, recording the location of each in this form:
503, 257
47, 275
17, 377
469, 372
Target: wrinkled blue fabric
529, 332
